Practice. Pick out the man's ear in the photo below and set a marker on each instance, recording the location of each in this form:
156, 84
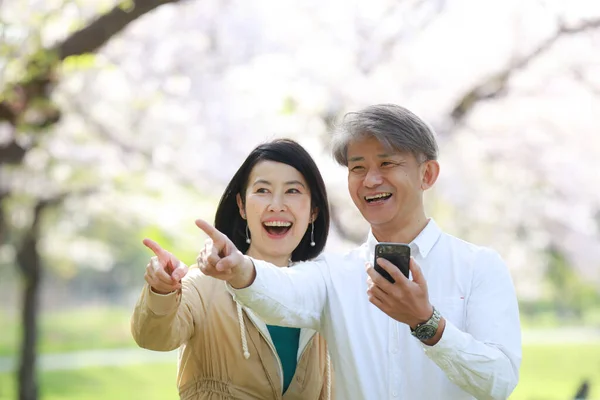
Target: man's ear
430, 170
240, 204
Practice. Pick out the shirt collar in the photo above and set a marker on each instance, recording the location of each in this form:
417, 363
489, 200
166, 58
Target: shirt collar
422, 244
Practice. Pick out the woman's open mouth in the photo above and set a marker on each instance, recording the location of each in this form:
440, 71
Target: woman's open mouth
277, 229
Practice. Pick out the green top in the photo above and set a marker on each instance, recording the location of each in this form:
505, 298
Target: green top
286, 341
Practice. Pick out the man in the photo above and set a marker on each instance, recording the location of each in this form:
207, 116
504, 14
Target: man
450, 332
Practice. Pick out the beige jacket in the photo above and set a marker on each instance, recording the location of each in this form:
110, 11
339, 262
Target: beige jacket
226, 352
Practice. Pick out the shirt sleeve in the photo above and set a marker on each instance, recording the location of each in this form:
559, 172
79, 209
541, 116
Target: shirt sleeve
293, 297
484, 360
165, 322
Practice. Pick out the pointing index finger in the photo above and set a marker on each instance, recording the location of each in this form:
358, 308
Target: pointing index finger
155, 247
217, 237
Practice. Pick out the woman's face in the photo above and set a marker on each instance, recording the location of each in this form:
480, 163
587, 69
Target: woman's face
277, 209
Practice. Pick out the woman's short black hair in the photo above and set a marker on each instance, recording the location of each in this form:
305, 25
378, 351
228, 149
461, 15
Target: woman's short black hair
286, 151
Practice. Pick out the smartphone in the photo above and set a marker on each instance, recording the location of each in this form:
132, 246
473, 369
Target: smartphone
396, 253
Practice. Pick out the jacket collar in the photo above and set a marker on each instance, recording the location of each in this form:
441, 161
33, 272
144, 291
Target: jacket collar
305, 334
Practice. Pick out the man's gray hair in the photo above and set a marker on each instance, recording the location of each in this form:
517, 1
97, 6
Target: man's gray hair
394, 126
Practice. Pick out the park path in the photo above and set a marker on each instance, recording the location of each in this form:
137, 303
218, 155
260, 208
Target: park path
136, 356
94, 358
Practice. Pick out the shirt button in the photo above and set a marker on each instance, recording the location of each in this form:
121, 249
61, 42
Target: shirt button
394, 350
395, 394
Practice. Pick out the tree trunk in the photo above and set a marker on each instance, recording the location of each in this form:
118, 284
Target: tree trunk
39, 86
28, 383
28, 259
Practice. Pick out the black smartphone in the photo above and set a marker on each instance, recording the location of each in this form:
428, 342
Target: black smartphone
396, 253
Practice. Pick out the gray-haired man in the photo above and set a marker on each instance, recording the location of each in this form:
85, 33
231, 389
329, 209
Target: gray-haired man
450, 332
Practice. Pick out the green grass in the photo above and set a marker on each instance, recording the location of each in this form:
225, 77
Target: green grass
549, 372
139, 382
105, 327
549, 319
85, 329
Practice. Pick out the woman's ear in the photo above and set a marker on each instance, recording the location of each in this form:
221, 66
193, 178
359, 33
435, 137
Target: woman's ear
314, 214
240, 204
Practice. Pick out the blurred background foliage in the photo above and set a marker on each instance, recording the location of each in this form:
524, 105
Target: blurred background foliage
121, 120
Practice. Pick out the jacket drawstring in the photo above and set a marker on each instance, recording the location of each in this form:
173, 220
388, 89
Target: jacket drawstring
328, 382
242, 330
240, 314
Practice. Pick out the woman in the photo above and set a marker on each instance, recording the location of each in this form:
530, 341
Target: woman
275, 208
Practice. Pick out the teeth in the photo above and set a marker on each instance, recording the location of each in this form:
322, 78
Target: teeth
377, 196
278, 223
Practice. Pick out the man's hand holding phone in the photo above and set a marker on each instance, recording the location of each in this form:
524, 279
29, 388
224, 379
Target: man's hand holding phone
399, 297
396, 253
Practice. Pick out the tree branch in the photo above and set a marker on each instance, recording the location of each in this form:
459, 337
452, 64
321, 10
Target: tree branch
580, 77
101, 30
382, 51
495, 85
199, 179
12, 153
85, 40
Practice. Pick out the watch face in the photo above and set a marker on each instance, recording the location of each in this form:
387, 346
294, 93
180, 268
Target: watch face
425, 332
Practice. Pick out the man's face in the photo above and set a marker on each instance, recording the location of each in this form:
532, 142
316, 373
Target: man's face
385, 185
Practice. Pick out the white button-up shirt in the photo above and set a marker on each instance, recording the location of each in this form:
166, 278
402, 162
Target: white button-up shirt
376, 357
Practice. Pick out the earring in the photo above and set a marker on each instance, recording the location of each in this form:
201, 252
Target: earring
312, 234
247, 235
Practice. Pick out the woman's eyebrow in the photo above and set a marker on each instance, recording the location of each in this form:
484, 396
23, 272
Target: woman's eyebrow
266, 182
261, 182
295, 183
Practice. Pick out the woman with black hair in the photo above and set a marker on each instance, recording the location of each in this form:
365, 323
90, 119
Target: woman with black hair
275, 209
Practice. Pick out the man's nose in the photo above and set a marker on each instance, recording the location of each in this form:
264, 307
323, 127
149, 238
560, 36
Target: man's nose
373, 178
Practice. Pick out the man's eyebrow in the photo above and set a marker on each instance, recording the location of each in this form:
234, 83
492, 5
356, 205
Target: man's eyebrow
361, 158
357, 158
